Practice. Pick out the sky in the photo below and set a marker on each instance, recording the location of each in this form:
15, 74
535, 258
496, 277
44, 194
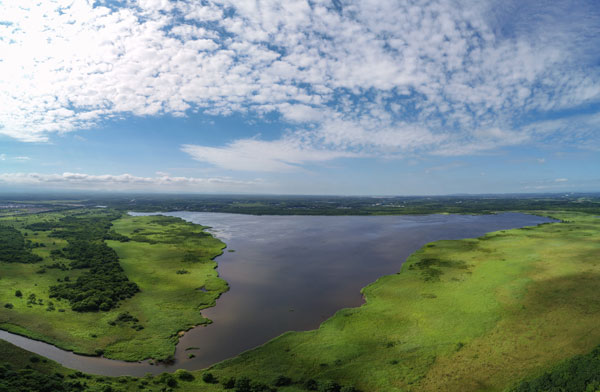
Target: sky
369, 97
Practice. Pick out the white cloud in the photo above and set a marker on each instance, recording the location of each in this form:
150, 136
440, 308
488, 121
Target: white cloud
370, 77
282, 155
5, 157
126, 182
563, 184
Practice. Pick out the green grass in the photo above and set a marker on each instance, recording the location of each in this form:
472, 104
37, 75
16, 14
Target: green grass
168, 303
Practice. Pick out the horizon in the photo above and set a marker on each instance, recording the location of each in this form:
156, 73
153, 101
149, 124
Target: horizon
319, 98
92, 194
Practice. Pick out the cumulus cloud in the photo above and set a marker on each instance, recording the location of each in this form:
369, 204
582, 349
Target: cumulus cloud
125, 182
362, 77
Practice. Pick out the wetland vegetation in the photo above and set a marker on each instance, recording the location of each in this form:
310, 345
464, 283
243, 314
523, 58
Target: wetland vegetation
94, 266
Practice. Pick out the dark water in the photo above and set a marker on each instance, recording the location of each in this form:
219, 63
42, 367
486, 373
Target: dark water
291, 273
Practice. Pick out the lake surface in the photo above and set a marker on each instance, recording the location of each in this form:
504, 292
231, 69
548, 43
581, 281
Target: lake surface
291, 273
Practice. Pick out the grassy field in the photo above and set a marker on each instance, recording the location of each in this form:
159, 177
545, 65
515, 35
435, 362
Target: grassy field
170, 260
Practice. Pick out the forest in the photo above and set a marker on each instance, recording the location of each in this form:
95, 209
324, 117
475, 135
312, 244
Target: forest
14, 248
105, 283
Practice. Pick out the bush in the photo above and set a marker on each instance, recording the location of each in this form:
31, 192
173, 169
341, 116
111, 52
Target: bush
242, 384
229, 383
9, 306
282, 381
311, 385
209, 378
168, 379
184, 375
18, 294
330, 386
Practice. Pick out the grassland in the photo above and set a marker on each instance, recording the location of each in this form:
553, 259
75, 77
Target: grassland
170, 260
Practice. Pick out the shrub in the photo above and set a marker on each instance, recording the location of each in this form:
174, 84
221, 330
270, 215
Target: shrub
330, 386
168, 379
229, 383
8, 306
18, 294
184, 375
282, 381
242, 384
311, 385
209, 378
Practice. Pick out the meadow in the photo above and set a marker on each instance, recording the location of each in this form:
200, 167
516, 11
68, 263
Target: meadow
171, 262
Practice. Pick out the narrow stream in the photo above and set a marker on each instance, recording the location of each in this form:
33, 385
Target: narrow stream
290, 273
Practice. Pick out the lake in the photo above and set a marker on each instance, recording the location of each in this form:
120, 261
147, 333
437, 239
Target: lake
290, 273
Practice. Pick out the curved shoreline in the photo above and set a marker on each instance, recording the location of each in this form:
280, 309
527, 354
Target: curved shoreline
128, 368
166, 305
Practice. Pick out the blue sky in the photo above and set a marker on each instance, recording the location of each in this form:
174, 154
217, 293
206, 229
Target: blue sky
301, 97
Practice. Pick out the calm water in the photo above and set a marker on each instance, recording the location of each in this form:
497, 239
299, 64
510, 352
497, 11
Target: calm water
291, 273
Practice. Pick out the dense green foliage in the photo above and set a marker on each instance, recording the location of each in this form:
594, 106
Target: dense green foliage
14, 248
349, 205
580, 373
34, 380
105, 282
332, 205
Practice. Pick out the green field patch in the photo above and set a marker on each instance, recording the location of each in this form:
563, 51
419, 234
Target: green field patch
166, 304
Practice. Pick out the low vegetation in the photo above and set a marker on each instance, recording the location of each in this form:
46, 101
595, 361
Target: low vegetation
97, 265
